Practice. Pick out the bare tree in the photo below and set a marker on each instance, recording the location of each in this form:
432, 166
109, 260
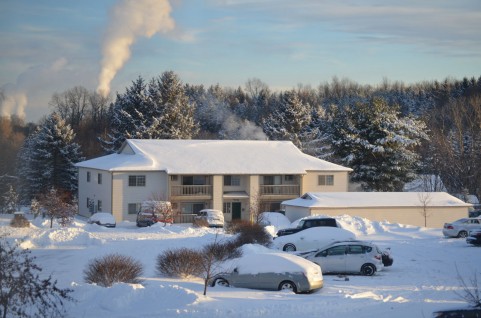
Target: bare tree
425, 199
57, 208
471, 292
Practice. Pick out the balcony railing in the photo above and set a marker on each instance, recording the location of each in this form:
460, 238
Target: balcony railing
192, 190
280, 189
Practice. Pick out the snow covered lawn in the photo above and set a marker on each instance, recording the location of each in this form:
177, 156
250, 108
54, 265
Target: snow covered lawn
421, 280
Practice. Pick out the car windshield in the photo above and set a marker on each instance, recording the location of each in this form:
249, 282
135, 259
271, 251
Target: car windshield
300, 224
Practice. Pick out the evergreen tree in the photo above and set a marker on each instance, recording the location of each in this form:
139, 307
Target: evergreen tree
10, 200
157, 110
377, 144
176, 112
49, 158
290, 120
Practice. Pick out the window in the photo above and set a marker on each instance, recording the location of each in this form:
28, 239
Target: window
99, 205
272, 180
88, 176
174, 177
356, 249
99, 179
337, 250
194, 180
133, 208
227, 207
232, 180
136, 181
326, 180
191, 207
289, 177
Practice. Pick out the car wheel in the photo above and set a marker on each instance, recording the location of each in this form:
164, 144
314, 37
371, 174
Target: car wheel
221, 282
463, 234
289, 248
288, 286
368, 269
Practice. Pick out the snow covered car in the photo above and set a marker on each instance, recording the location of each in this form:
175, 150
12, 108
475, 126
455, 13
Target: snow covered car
209, 218
271, 271
102, 218
312, 239
474, 237
275, 219
308, 222
461, 227
357, 257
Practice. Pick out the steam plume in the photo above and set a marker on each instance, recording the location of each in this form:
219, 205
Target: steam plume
129, 20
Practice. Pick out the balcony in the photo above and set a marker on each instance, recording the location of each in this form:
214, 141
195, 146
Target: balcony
191, 191
280, 190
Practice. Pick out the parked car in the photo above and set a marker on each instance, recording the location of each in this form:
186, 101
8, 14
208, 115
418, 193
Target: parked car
271, 271
312, 239
308, 222
474, 237
152, 212
355, 257
102, 218
276, 219
209, 218
461, 227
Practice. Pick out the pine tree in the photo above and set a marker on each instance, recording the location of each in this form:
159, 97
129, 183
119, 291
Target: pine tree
290, 120
176, 112
157, 110
49, 158
377, 144
10, 200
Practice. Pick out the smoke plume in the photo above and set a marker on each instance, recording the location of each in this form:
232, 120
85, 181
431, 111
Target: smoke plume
129, 20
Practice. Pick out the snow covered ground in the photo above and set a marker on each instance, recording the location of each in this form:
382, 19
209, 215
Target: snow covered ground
422, 279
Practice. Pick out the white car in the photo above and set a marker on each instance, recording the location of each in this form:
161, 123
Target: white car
356, 257
103, 219
461, 227
210, 218
312, 238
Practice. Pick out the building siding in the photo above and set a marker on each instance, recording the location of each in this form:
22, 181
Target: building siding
310, 182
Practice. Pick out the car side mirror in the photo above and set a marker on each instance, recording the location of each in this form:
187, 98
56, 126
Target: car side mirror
236, 271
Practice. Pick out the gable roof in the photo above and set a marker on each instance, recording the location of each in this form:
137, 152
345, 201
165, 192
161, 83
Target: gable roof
211, 157
374, 199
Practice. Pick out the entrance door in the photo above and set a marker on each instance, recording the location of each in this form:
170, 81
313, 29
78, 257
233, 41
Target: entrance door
236, 210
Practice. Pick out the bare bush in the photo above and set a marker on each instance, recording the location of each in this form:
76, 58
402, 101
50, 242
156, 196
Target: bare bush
19, 220
183, 262
250, 233
23, 293
113, 268
223, 251
471, 291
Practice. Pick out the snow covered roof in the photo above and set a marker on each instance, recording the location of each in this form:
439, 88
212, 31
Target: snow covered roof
374, 199
211, 157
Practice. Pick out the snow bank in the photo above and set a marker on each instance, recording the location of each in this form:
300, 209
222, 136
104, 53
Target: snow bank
69, 236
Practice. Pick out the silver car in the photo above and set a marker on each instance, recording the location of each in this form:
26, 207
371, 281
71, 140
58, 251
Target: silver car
271, 271
356, 257
461, 227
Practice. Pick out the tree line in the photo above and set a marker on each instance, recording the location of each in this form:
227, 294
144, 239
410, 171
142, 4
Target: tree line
387, 133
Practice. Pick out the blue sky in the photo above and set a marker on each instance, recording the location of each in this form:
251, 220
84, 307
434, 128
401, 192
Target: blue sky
51, 46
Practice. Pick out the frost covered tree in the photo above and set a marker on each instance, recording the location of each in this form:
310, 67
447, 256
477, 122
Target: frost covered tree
290, 120
378, 144
23, 292
10, 200
48, 158
157, 110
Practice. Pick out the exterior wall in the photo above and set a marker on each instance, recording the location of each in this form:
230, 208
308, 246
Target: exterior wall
217, 191
94, 191
254, 199
436, 216
310, 182
156, 187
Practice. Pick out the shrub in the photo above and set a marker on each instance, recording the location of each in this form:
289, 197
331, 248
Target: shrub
250, 233
19, 220
183, 262
23, 293
113, 268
